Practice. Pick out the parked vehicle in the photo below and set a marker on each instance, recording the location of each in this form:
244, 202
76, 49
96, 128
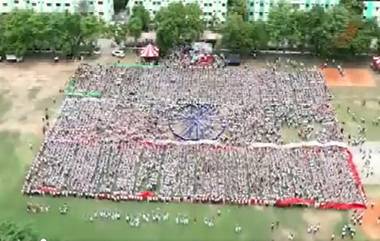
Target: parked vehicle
375, 64
13, 58
118, 53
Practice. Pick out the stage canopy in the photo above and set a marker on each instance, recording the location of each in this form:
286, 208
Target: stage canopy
149, 51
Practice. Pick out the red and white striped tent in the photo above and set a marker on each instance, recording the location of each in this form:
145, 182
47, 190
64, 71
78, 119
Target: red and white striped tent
150, 51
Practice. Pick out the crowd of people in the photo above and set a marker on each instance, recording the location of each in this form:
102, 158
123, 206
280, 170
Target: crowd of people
109, 145
255, 103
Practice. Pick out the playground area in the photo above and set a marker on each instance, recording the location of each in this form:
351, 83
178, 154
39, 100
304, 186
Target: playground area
352, 77
370, 221
28, 88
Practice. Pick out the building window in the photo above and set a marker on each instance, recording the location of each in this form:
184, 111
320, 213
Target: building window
91, 3
100, 2
34, 4
377, 8
365, 8
28, 2
205, 4
326, 6
210, 4
154, 12
261, 14
307, 5
58, 4
67, 4
91, 13
223, 4
101, 13
48, 4
251, 13
5, 4
251, 4
16, 1
261, 4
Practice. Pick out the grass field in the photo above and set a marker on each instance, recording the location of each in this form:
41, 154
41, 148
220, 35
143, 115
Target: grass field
15, 157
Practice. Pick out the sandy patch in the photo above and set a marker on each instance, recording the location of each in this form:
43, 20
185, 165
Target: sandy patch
370, 226
29, 85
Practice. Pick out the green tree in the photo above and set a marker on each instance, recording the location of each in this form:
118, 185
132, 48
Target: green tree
17, 35
69, 33
237, 34
259, 34
118, 32
367, 32
239, 7
338, 32
135, 28
139, 12
354, 6
317, 36
281, 24
178, 23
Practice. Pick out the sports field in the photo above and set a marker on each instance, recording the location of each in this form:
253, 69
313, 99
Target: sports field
27, 89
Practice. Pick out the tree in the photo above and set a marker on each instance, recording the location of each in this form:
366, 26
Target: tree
17, 35
281, 25
354, 6
237, 34
178, 23
118, 32
135, 27
366, 33
259, 34
139, 12
239, 7
119, 5
317, 36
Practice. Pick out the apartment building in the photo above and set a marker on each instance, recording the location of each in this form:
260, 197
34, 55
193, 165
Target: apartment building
371, 10
101, 8
259, 9
212, 9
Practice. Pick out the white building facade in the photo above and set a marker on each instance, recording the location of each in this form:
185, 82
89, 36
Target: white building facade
372, 10
212, 9
101, 8
259, 9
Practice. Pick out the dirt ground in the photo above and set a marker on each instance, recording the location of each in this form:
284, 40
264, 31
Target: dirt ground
358, 77
370, 225
27, 89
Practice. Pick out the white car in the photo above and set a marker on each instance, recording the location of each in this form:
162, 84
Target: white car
118, 53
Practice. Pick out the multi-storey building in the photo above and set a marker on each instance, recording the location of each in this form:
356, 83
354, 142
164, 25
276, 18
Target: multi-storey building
101, 8
259, 9
212, 9
372, 10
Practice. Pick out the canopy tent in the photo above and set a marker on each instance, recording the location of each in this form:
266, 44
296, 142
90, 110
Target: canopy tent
149, 51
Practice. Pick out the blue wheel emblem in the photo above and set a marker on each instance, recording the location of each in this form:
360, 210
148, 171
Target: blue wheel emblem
197, 122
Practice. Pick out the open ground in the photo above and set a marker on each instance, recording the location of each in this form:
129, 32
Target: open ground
27, 89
